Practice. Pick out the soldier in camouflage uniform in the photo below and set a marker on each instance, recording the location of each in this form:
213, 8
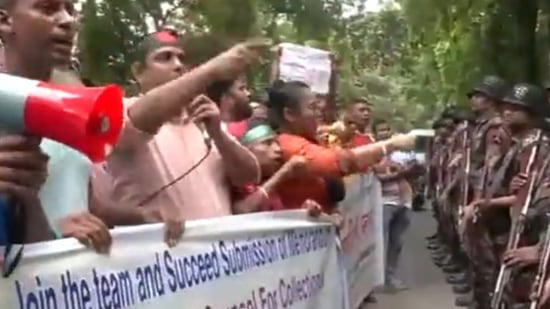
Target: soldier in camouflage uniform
479, 239
494, 207
439, 161
450, 256
443, 128
525, 258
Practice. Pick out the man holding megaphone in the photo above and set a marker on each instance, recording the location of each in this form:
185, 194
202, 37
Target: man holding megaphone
38, 38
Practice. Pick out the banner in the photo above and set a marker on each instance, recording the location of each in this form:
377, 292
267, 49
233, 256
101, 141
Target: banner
362, 236
306, 64
263, 260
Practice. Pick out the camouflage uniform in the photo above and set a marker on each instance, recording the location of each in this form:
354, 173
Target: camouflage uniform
516, 162
481, 237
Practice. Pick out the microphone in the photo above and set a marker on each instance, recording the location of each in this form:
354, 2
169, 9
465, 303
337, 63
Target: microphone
205, 137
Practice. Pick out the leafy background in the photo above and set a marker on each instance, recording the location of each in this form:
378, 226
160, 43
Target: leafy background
410, 59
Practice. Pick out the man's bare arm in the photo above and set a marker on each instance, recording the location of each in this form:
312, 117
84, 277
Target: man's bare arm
165, 102
240, 164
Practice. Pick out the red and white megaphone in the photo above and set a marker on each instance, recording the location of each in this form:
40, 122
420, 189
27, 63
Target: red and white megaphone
88, 119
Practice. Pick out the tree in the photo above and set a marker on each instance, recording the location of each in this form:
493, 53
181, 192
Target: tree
410, 59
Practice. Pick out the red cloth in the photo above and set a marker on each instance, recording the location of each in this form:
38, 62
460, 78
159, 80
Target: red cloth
322, 162
361, 139
238, 128
274, 202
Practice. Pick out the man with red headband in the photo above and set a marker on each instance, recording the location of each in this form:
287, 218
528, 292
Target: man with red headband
173, 156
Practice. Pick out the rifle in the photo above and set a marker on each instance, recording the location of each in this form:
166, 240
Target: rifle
428, 174
540, 279
518, 226
465, 185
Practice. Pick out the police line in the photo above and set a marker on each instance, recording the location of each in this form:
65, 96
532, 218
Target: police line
263, 260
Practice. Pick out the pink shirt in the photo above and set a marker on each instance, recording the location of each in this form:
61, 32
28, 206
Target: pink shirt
141, 164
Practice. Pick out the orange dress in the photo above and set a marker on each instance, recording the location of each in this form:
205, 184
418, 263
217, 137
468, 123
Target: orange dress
322, 162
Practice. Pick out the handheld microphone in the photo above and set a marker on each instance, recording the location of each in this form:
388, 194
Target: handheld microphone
205, 137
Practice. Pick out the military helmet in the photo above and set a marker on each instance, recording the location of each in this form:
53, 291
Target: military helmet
438, 123
530, 96
492, 86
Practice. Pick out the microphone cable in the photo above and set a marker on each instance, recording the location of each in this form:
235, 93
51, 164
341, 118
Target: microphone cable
17, 215
150, 197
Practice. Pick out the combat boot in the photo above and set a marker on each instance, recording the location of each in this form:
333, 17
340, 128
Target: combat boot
465, 301
451, 269
462, 288
433, 237
458, 278
440, 253
443, 261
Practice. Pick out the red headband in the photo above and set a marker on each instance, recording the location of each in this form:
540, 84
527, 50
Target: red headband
165, 37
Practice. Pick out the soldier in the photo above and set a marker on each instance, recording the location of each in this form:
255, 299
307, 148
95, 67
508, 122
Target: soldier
443, 250
486, 104
444, 127
450, 257
522, 108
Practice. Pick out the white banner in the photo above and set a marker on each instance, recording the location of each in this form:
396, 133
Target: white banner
264, 260
306, 64
362, 236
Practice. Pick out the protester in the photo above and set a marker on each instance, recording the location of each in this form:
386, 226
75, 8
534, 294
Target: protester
358, 114
259, 110
163, 158
232, 97
397, 198
294, 112
37, 39
338, 134
261, 140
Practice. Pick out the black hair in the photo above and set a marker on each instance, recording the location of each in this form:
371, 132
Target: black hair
376, 123
283, 95
216, 89
460, 116
439, 123
336, 191
360, 100
448, 113
256, 122
88, 82
261, 97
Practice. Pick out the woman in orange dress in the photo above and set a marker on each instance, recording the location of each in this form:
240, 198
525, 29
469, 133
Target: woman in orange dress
293, 110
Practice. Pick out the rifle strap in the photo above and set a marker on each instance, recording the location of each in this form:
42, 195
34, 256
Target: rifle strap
501, 172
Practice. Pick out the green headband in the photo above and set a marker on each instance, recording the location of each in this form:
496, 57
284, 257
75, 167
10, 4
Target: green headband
257, 134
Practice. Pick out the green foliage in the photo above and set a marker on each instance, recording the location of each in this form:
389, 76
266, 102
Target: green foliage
409, 60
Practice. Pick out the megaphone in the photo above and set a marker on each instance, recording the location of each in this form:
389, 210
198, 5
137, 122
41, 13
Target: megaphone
87, 119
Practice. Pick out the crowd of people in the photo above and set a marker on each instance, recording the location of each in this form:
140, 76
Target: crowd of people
196, 144
192, 145
488, 181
